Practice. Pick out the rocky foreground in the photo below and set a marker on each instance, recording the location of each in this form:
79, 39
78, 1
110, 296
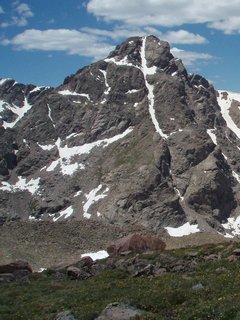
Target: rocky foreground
192, 283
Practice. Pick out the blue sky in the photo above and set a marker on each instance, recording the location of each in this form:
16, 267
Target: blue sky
41, 42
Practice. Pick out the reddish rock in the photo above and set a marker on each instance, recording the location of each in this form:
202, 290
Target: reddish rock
135, 243
15, 267
233, 258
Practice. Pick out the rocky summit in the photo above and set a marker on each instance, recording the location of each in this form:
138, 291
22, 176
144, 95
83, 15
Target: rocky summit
131, 139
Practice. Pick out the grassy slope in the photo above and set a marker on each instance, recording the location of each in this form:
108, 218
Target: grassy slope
169, 296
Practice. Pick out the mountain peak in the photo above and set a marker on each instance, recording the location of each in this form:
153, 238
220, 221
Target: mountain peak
132, 139
157, 52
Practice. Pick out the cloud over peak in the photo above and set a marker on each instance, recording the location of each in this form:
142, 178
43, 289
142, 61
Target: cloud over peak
70, 41
96, 43
167, 13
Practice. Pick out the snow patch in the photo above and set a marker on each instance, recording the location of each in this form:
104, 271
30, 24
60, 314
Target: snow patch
72, 135
107, 90
53, 165
47, 146
150, 71
133, 91
183, 230
93, 197
236, 176
36, 89
232, 225
67, 153
20, 112
224, 156
4, 80
70, 168
212, 135
123, 62
77, 193
96, 255
178, 193
66, 213
179, 130
4, 105
72, 93
22, 185
50, 115
225, 105
32, 218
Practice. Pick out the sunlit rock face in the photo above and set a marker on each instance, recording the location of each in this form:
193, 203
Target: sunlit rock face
131, 139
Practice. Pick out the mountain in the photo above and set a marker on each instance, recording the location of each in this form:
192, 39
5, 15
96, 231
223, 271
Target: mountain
131, 139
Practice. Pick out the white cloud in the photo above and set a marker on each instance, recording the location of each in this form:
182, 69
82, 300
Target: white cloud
178, 37
22, 13
70, 41
24, 10
1, 10
168, 13
95, 43
189, 58
228, 26
123, 32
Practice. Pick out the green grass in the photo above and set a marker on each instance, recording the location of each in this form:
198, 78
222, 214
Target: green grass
169, 296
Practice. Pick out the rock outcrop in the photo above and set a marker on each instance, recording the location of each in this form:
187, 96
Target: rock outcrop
132, 139
135, 243
18, 270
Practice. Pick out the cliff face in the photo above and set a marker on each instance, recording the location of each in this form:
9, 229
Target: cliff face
130, 139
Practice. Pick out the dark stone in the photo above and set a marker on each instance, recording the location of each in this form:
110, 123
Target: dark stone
65, 315
197, 287
119, 311
15, 267
6, 277
76, 273
236, 252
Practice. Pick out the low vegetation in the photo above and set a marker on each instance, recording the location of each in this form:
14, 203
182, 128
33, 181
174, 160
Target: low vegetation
210, 291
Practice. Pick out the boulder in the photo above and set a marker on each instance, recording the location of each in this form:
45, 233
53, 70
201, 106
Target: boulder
233, 258
85, 262
135, 243
76, 273
15, 267
6, 277
146, 271
65, 315
236, 252
119, 311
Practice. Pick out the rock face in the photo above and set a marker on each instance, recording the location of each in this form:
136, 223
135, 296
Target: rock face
132, 139
135, 243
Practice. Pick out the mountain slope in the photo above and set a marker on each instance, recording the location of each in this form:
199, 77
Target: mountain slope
130, 139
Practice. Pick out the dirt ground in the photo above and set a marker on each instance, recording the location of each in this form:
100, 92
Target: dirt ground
45, 244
